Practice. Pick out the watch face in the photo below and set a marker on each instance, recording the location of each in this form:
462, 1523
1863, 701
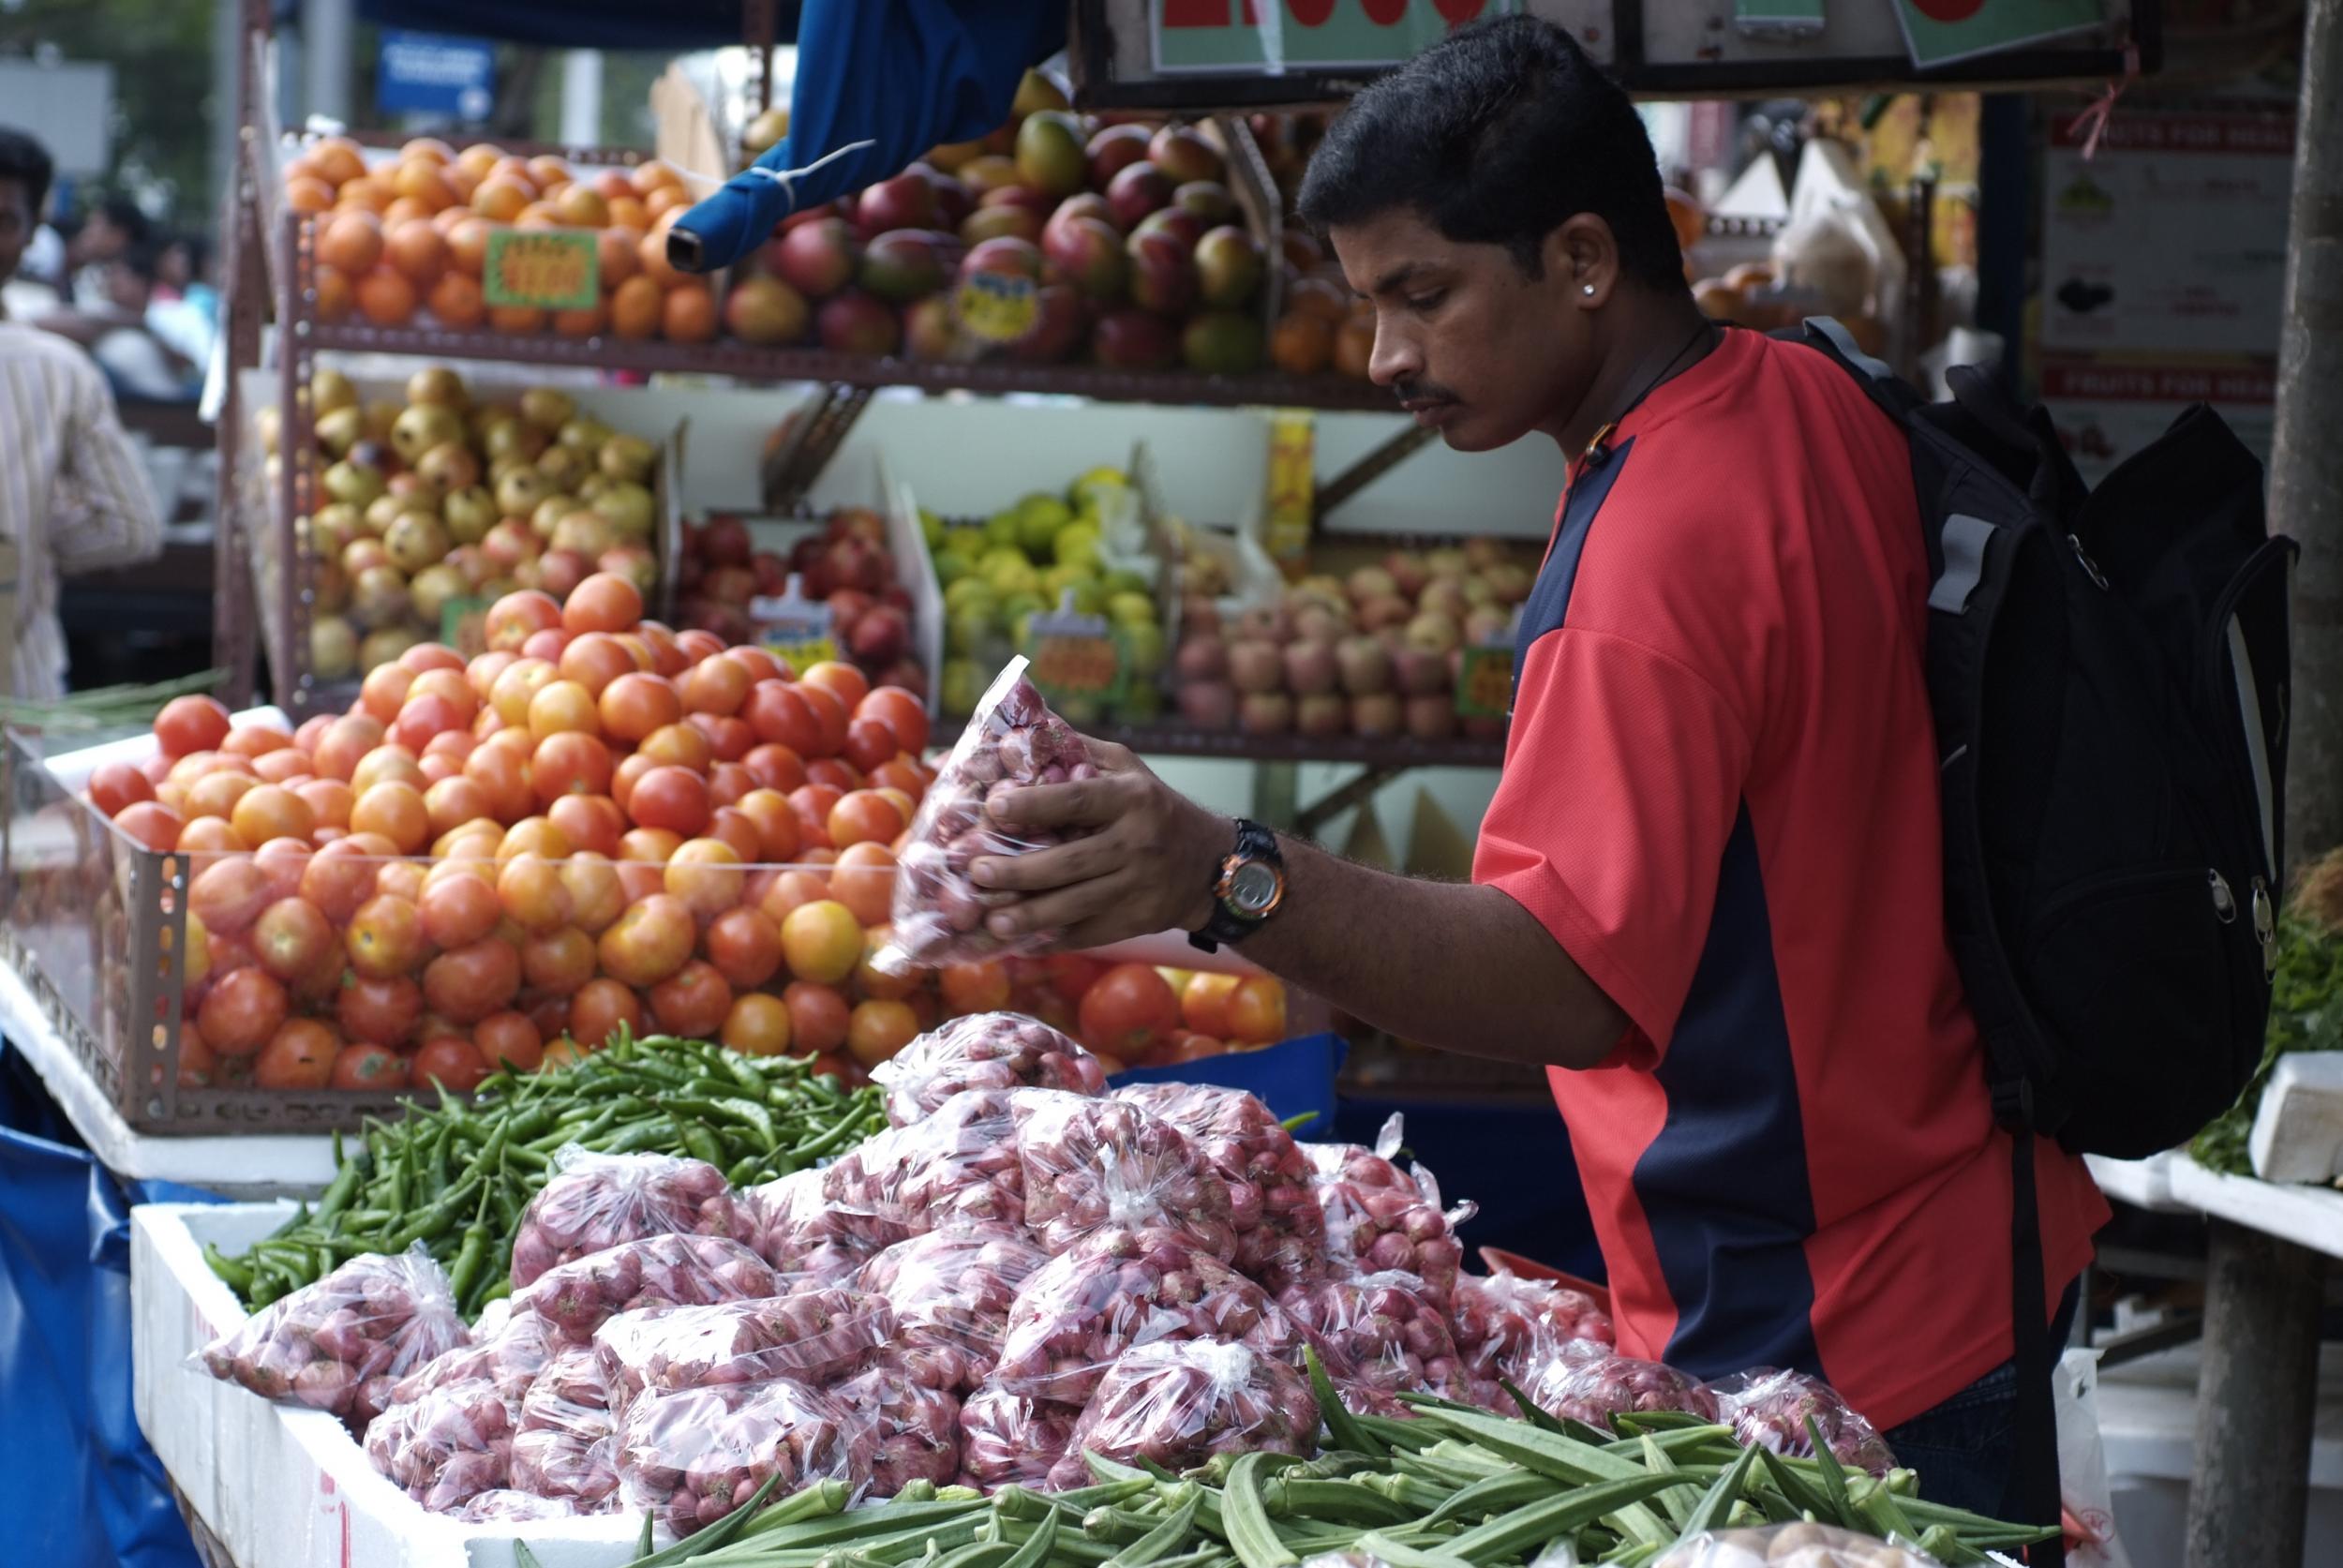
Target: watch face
1253, 889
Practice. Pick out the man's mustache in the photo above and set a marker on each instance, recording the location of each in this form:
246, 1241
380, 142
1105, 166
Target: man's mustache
1423, 392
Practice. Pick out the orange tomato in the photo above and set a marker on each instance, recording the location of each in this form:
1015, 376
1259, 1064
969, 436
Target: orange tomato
757, 1025
821, 941
879, 1028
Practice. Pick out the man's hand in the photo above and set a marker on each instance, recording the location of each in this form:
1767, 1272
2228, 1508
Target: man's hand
1146, 866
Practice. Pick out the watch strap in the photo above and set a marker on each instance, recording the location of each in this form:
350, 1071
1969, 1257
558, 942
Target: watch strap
1254, 842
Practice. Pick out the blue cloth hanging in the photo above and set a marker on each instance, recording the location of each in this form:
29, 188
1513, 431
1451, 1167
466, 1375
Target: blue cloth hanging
904, 75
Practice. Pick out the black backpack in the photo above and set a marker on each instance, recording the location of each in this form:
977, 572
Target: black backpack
2109, 672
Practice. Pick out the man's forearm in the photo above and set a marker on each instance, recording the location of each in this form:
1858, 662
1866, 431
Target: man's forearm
1454, 966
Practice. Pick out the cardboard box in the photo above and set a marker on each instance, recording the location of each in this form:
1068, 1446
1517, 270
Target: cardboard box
283, 1487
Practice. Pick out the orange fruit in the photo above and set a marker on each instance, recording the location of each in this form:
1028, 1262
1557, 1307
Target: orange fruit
422, 181
386, 298
549, 171
580, 323
467, 244
627, 211
418, 250
335, 296
500, 199
350, 242
582, 207
689, 314
478, 158
401, 209
652, 250
616, 249
1301, 345
635, 307
519, 318
309, 194
821, 941
429, 149
337, 159
666, 199
652, 175
455, 300
365, 191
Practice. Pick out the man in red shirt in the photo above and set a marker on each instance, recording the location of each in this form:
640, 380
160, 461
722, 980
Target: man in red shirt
1709, 892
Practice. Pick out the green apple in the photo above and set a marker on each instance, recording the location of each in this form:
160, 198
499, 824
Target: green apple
967, 630
962, 684
1000, 530
1076, 545
1039, 518
1124, 581
1142, 646
932, 529
1131, 609
951, 566
970, 592
1093, 490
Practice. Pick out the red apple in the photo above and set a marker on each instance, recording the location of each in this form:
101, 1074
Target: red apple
1138, 190
1163, 275
1115, 149
1089, 252
855, 322
905, 202
817, 259
724, 542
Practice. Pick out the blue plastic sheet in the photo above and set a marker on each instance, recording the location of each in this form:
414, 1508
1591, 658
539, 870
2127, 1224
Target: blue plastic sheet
81, 1488
903, 75
1294, 1078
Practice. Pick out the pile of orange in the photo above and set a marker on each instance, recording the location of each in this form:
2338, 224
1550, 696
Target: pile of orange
406, 237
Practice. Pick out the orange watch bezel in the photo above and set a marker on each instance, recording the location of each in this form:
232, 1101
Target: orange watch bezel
1223, 888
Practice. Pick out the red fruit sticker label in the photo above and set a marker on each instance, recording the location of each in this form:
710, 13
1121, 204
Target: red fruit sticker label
550, 269
998, 306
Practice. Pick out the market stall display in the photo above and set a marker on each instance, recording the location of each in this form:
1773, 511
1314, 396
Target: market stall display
845, 564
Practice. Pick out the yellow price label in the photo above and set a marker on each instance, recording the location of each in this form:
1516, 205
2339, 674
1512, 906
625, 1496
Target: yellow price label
1485, 687
1293, 485
998, 306
549, 269
803, 654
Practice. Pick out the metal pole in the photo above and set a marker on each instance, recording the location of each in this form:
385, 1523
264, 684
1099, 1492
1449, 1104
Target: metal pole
2248, 1500
326, 29
581, 97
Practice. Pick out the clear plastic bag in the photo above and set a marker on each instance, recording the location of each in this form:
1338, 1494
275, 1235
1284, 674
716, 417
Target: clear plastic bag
813, 1337
1381, 1219
983, 1050
1586, 1382
509, 1352
1181, 1402
594, 1202
563, 1440
1794, 1546
1007, 1439
508, 1506
796, 1230
1379, 1336
911, 1430
958, 1165
951, 1291
343, 1343
1500, 1320
1013, 739
692, 1457
579, 1297
446, 1447
1090, 1164
1768, 1409
1119, 1288
1280, 1226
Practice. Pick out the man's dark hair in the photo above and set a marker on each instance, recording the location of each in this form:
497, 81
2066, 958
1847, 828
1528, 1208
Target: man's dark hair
1498, 135
27, 161
126, 215
143, 256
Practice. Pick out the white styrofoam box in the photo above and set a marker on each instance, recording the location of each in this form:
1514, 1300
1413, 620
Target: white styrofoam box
2298, 1132
283, 1487
73, 768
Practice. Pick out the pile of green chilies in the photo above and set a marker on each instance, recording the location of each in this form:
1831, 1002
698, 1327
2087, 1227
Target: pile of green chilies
455, 1176
103, 706
1456, 1488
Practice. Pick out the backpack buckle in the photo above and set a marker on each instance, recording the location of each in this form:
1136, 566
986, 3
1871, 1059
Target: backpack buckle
2013, 1103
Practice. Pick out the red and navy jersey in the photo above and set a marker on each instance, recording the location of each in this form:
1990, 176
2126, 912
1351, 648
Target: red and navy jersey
1720, 797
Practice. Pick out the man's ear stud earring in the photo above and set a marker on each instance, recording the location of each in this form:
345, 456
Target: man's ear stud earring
1586, 288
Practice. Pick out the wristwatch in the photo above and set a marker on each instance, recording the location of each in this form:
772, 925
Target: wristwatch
1250, 885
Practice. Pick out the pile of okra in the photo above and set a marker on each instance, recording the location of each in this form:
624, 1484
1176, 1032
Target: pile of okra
1455, 1488
454, 1177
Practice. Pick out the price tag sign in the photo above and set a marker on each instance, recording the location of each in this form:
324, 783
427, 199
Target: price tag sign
550, 269
1485, 684
1074, 655
998, 306
796, 630
463, 626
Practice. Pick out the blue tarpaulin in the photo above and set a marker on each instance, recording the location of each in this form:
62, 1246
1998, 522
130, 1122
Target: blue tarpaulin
905, 75
81, 1488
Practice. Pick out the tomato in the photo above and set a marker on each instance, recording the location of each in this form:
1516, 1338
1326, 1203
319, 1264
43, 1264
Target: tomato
196, 1065
774, 767
208, 835
674, 799
378, 1011
1071, 975
588, 822
329, 801
877, 1029
115, 784
779, 715
864, 816
395, 811
869, 743
384, 691
548, 645
570, 764
423, 716
1256, 1011
402, 880
717, 686
737, 828
452, 803
594, 661
792, 888
778, 830
557, 961
547, 1012
255, 739
829, 717
728, 739
692, 1002
469, 983
367, 1067
191, 723
821, 941
284, 766
509, 1039
604, 602
345, 740
812, 803
901, 712
563, 1052
1127, 1010
634, 705
216, 794
307, 733
533, 835
759, 661
818, 1016
519, 681
649, 942
480, 674
681, 744
241, 1011
513, 619
850, 684
424, 657
979, 986
667, 658
596, 898
727, 781
872, 981
450, 1062
1205, 1003
299, 1056
863, 880
151, 824
834, 772
696, 645
505, 779
459, 910
338, 878
533, 894
744, 944
267, 811
560, 707
231, 893
704, 875
385, 937
291, 938
283, 860
757, 1025
600, 1009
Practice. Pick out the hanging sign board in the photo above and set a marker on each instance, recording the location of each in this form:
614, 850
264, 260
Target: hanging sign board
434, 73
796, 629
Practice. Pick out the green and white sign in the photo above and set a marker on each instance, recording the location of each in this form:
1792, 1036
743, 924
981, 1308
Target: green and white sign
1275, 35
1942, 31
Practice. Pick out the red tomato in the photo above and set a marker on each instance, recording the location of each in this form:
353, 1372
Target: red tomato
151, 824
291, 938
757, 1025
716, 686
378, 1011
340, 877
1257, 1011
780, 715
558, 962
877, 1029
604, 602
829, 714
835, 772
570, 764
818, 1016
778, 830
596, 896
191, 723
980, 986
516, 617
600, 1009
196, 1065
589, 822
871, 743
672, 797
509, 1038
471, 982
1205, 1003
115, 784
727, 781
835, 675
692, 1002
864, 879
680, 744
424, 657
729, 740
367, 1067
774, 767
649, 942
901, 712
744, 944
448, 1062
635, 704
1129, 1010
241, 1011
384, 691
385, 937
864, 816
459, 910
595, 659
